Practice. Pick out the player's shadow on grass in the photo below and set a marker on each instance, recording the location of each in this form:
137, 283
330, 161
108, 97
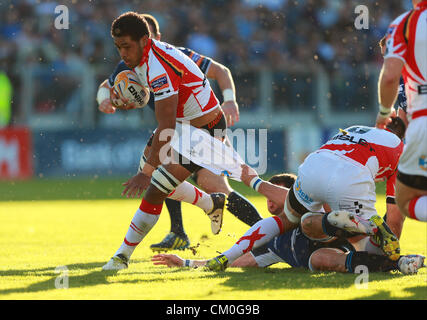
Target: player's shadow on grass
91, 279
297, 278
94, 278
416, 292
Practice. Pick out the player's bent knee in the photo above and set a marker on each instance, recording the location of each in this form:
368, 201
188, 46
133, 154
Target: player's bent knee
403, 205
315, 262
164, 181
307, 221
311, 226
318, 261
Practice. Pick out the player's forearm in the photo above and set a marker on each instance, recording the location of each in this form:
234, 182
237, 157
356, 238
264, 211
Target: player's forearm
275, 193
389, 80
223, 77
388, 90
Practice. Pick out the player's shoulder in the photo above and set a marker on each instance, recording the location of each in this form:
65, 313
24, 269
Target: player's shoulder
165, 47
387, 138
374, 135
185, 50
399, 21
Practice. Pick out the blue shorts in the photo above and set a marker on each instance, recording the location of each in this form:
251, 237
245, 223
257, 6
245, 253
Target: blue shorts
293, 248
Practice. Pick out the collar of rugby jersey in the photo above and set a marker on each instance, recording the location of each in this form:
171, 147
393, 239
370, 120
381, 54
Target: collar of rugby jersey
144, 57
422, 4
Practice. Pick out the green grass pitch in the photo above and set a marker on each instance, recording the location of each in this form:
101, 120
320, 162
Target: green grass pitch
74, 225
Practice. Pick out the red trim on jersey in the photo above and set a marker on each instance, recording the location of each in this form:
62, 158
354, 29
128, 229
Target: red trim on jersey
149, 208
388, 157
411, 208
145, 51
419, 114
213, 101
179, 74
421, 4
390, 186
279, 223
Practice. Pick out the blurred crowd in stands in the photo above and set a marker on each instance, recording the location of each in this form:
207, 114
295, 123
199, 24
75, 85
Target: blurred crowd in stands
242, 34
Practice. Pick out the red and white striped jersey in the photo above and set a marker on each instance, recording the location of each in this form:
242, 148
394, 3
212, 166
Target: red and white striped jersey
376, 149
168, 71
407, 40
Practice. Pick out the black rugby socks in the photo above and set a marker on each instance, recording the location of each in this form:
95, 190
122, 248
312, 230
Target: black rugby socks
239, 206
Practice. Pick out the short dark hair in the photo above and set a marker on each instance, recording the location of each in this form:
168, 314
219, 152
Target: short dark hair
397, 126
283, 179
130, 24
153, 23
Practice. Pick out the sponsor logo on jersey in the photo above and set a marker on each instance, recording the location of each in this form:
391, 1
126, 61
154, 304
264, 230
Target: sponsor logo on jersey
422, 163
353, 139
225, 173
159, 83
302, 195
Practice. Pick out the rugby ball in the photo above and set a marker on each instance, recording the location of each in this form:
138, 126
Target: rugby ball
127, 85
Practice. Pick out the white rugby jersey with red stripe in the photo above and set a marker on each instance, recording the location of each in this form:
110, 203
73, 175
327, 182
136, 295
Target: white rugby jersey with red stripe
376, 149
168, 71
407, 40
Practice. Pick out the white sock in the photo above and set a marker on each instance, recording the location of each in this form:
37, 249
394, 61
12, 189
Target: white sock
186, 192
257, 235
368, 244
418, 208
142, 222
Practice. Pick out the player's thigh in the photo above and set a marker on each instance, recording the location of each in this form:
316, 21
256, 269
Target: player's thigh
404, 194
211, 182
413, 161
327, 259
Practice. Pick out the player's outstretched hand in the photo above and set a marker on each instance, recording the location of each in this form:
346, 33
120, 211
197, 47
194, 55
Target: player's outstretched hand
231, 111
106, 106
136, 185
170, 260
248, 174
119, 102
